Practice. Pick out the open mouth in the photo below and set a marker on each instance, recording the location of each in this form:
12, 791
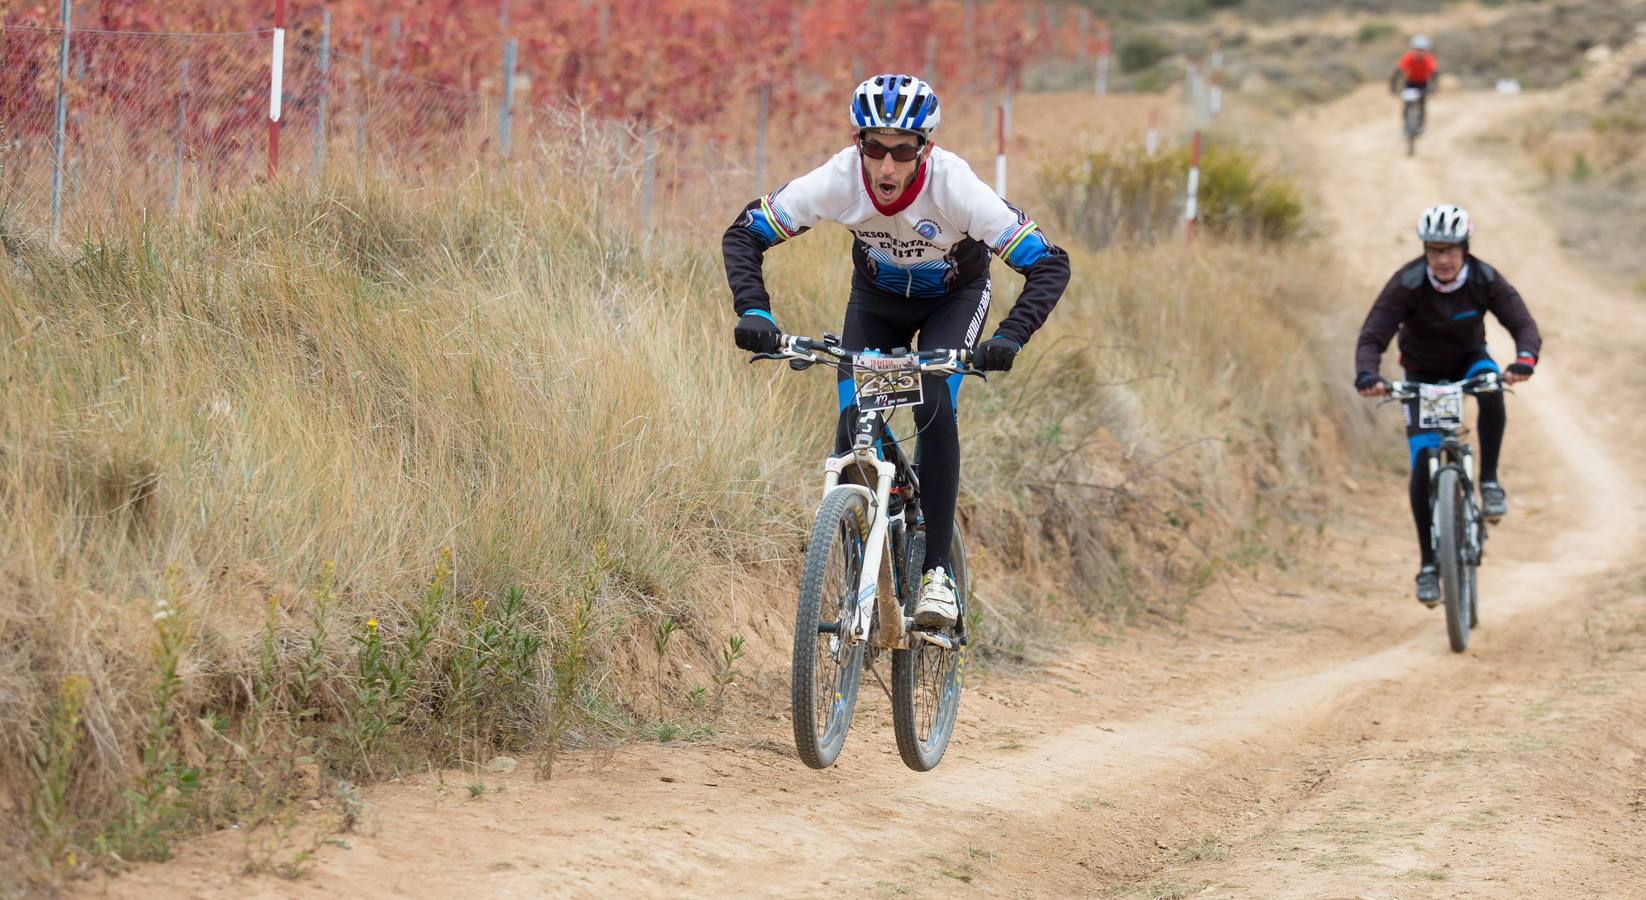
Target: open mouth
886, 188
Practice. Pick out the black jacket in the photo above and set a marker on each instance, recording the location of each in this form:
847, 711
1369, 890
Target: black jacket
1437, 331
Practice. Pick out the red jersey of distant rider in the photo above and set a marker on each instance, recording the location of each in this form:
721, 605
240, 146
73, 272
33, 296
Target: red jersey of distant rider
1418, 66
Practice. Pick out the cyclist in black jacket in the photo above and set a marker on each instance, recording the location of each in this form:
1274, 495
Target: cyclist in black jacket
1438, 304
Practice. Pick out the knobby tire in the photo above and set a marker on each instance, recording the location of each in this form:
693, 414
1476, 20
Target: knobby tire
1449, 550
828, 667
927, 679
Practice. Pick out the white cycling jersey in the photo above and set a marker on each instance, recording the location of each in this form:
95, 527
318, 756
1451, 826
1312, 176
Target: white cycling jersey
937, 235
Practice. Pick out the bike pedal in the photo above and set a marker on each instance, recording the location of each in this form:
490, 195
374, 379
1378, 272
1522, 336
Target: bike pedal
932, 637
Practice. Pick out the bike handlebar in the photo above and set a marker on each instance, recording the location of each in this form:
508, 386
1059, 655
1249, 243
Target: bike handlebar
1484, 383
805, 350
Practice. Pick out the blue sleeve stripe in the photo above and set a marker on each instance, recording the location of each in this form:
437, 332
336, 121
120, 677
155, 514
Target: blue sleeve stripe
1486, 364
759, 224
1026, 251
762, 314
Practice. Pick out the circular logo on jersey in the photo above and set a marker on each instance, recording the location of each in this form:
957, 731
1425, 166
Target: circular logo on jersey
927, 228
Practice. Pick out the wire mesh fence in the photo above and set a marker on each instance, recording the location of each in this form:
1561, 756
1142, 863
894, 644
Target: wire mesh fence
164, 121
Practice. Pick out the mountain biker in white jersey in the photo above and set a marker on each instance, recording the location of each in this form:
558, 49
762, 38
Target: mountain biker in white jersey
924, 227
1438, 303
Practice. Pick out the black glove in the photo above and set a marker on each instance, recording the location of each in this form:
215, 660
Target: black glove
1366, 380
756, 333
996, 354
1521, 369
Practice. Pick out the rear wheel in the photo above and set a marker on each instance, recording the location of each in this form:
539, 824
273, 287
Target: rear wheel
827, 663
1477, 538
1412, 128
1449, 549
928, 677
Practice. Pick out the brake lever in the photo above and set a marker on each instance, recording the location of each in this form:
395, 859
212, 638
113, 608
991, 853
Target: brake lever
755, 357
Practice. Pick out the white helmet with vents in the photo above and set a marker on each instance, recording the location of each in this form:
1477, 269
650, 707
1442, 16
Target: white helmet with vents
1444, 224
899, 102
1420, 42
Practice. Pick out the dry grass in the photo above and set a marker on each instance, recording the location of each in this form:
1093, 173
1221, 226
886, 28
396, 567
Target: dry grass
275, 415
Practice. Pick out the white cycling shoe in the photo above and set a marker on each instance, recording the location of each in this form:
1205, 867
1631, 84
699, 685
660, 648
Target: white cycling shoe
937, 607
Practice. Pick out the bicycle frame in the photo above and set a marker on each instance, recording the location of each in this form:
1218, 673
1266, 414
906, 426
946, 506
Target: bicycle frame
1459, 456
1453, 453
877, 617
875, 587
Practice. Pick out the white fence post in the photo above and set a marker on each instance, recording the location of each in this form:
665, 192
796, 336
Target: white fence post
1191, 208
1000, 152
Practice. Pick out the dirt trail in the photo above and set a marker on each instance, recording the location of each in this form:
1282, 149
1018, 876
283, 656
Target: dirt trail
1308, 737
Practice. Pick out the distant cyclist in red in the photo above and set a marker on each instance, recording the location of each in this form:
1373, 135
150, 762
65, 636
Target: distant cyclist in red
1417, 69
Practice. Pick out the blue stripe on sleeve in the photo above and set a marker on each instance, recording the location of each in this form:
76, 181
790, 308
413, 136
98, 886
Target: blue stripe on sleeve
1028, 251
759, 224
1485, 364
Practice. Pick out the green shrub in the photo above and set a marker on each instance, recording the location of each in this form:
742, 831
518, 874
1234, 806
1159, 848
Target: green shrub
1126, 196
1142, 52
1372, 32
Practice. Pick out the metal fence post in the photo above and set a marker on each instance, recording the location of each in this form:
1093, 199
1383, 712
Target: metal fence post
320, 105
647, 181
503, 114
363, 102
57, 139
760, 141
394, 44
177, 136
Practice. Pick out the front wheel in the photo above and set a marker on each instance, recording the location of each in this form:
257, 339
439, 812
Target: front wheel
1449, 550
927, 678
828, 664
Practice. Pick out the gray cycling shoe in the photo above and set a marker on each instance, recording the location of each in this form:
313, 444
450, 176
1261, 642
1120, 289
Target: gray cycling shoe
1428, 585
1494, 503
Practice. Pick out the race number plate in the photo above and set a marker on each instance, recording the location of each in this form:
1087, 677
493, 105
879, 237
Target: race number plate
884, 384
1411, 95
1439, 406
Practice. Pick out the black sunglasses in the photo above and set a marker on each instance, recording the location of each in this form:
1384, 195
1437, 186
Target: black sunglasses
877, 150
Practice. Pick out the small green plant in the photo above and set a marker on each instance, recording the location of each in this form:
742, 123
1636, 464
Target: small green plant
660, 642
309, 667
160, 800
726, 673
50, 768
665, 732
1581, 169
570, 663
383, 698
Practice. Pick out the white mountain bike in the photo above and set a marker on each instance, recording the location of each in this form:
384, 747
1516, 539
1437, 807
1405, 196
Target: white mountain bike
861, 575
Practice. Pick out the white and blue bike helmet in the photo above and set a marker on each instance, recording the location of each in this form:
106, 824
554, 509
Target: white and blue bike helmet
897, 102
